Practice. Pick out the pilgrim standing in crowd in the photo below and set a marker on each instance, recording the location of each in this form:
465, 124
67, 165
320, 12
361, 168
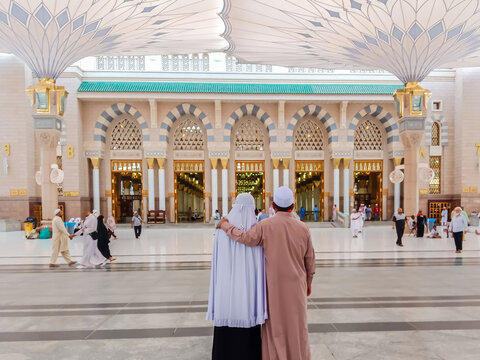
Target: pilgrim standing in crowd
289, 267
302, 213
368, 213
111, 226
361, 210
334, 213
398, 223
137, 223
458, 225
237, 302
355, 222
60, 237
464, 213
217, 217
271, 210
421, 223
103, 239
444, 219
376, 212
315, 212
411, 225
78, 225
262, 215
91, 255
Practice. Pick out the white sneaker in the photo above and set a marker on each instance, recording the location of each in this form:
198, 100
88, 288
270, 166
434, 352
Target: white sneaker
80, 266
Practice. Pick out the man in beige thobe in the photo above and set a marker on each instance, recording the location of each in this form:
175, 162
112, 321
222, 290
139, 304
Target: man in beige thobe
289, 267
60, 237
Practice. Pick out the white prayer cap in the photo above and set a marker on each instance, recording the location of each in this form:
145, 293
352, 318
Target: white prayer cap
57, 211
95, 212
283, 197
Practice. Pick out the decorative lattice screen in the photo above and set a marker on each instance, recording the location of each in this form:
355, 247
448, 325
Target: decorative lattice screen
249, 135
126, 136
435, 134
308, 135
188, 134
436, 166
368, 136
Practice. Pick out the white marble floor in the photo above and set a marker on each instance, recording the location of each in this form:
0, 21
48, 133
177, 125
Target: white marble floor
371, 299
194, 243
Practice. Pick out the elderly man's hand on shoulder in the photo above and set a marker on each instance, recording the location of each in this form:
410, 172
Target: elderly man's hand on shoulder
224, 220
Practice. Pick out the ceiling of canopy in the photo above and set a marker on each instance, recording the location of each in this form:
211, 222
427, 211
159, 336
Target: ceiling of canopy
408, 38
50, 35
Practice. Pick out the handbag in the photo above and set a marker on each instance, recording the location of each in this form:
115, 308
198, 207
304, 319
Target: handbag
94, 235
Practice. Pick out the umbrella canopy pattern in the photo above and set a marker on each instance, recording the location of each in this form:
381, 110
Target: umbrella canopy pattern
50, 35
408, 38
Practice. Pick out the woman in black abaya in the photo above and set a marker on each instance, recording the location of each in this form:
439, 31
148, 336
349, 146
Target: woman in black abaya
103, 239
421, 223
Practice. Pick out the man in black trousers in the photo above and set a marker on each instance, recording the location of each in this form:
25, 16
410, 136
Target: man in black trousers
398, 223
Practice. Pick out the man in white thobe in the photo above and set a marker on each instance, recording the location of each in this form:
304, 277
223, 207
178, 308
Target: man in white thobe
444, 217
60, 237
355, 222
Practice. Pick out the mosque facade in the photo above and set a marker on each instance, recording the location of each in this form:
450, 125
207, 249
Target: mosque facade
186, 142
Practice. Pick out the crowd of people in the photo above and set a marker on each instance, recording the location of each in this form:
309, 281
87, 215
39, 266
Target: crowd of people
94, 233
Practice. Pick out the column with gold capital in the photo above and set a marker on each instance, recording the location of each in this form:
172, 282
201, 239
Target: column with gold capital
96, 182
286, 172
151, 183
276, 175
214, 162
396, 193
411, 104
224, 186
336, 182
346, 186
161, 184
47, 103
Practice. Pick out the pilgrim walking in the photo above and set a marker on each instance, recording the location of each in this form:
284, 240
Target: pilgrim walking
458, 225
356, 223
237, 303
137, 224
289, 267
60, 237
91, 255
398, 223
103, 239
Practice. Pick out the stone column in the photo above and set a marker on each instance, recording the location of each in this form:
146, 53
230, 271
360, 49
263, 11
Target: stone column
96, 182
336, 182
411, 140
161, 184
48, 140
276, 177
286, 173
346, 186
214, 162
151, 183
411, 103
396, 192
224, 187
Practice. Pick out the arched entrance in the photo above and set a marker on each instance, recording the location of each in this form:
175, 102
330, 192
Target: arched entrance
250, 145
126, 173
189, 144
368, 173
309, 144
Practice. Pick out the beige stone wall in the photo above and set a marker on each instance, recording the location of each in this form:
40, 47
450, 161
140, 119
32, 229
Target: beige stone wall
17, 131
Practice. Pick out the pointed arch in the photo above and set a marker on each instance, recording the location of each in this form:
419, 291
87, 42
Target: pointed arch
110, 113
177, 112
254, 110
443, 129
321, 114
385, 118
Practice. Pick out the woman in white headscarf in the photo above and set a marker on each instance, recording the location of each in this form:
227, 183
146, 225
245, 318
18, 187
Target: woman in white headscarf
91, 254
237, 304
